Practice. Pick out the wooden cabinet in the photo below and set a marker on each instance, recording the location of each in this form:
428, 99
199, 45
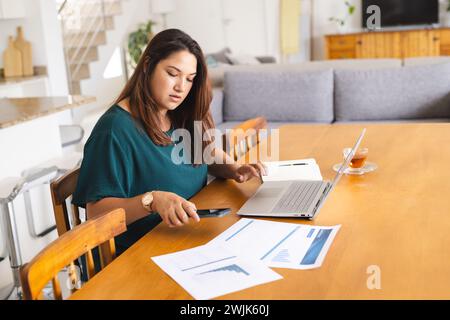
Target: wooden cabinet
372, 45
343, 47
420, 43
445, 42
392, 44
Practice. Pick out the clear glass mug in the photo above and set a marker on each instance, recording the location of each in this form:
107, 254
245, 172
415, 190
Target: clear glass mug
359, 159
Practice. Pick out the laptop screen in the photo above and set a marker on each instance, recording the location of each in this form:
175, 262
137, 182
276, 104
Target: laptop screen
349, 157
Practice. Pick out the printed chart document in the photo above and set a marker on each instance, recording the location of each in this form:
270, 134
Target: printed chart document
278, 244
303, 169
211, 271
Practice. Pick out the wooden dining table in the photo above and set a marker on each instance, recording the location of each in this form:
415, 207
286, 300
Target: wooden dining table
394, 240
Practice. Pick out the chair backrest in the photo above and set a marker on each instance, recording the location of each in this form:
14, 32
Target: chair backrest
244, 136
61, 190
70, 246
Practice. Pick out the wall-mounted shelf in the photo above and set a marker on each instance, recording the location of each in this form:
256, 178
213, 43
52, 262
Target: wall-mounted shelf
22, 87
35, 86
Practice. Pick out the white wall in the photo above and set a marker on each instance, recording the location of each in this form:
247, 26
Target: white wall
243, 26
246, 27
201, 19
272, 12
42, 29
323, 10
53, 48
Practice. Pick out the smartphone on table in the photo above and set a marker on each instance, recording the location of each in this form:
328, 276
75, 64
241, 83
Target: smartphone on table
213, 213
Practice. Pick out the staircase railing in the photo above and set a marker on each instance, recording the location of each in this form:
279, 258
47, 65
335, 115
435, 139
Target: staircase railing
81, 36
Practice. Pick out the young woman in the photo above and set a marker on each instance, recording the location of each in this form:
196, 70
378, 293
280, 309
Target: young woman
127, 159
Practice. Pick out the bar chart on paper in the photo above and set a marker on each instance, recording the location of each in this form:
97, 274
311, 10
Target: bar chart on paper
223, 275
230, 268
210, 271
284, 245
283, 257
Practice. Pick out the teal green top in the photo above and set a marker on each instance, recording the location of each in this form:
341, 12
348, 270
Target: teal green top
121, 161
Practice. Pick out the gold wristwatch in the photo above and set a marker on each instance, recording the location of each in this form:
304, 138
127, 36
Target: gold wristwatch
147, 200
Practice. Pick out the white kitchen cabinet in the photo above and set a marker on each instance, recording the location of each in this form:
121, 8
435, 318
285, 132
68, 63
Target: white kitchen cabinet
12, 9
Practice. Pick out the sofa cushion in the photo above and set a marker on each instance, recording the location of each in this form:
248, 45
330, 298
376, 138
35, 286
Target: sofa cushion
395, 121
278, 95
266, 59
216, 106
401, 93
242, 59
219, 56
270, 125
216, 73
420, 61
352, 64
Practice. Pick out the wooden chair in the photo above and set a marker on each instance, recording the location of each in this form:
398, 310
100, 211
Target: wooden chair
239, 143
61, 190
67, 248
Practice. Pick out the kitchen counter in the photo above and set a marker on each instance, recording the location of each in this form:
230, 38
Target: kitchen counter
18, 110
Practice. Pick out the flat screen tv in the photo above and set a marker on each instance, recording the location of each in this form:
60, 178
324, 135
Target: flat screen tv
403, 12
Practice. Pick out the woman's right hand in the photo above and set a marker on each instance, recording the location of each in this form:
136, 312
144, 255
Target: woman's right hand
174, 210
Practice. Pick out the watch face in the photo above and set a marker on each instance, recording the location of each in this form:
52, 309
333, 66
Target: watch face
147, 199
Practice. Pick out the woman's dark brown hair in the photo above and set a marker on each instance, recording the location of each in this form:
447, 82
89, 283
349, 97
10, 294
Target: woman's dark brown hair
143, 107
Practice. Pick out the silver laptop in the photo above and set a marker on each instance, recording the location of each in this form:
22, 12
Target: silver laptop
296, 198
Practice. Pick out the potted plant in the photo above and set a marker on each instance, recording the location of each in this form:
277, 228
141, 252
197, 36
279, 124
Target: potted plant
138, 41
342, 22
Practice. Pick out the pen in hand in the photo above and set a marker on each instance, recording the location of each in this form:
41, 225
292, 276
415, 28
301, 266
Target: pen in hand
260, 172
260, 176
293, 164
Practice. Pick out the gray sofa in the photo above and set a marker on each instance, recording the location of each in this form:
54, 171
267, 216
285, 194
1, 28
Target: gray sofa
329, 91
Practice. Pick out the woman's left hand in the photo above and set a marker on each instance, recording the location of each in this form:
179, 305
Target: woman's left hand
247, 171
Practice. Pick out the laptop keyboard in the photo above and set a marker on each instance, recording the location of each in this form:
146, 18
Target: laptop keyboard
298, 197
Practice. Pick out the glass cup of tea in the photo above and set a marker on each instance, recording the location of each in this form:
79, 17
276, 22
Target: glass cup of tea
359, 159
